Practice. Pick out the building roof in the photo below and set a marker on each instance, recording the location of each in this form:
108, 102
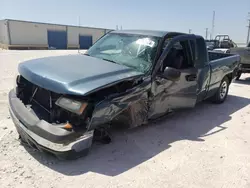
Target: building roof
155, 33
143, 32
54, 24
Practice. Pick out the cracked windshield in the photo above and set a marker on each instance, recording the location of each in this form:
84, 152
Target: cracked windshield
135, 51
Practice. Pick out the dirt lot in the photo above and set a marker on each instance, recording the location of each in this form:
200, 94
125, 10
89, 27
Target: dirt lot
208, 146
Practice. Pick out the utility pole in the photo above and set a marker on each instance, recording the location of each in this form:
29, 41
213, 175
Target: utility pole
248, 31
212, 32
190, 31
206, 33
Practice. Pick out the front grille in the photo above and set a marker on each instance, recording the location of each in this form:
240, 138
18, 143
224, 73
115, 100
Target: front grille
40, 100
44, 97
43, 102
41, 96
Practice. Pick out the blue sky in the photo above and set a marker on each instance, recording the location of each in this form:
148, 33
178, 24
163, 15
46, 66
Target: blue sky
180, 15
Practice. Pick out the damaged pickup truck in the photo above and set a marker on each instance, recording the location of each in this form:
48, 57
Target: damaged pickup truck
126, 78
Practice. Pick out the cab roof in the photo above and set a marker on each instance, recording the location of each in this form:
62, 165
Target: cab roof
154, 33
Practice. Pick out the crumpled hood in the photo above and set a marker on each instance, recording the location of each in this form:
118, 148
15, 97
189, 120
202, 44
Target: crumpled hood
74, 74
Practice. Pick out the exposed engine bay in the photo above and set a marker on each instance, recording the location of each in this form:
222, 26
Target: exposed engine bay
44, 103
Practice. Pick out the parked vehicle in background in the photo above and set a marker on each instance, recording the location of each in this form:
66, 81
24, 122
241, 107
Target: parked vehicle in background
244, 53
224, 41
222, 50
128, 77
210, 44
221, 43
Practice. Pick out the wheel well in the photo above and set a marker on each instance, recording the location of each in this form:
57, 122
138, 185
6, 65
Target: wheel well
230, 77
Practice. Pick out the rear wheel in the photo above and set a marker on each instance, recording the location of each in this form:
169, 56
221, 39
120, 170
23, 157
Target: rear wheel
221, 95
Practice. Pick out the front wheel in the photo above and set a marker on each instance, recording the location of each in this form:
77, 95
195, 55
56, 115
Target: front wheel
221, 95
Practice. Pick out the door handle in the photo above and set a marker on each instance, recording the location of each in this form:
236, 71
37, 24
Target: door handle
191, 77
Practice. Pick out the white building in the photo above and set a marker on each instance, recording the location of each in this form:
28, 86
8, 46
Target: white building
17, 34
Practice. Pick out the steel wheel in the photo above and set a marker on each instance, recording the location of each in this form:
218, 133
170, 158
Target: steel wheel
221, 94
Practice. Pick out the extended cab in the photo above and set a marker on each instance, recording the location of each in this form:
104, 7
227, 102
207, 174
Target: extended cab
244, 53
126, 78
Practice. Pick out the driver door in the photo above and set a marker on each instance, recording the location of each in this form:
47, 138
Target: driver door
171, 94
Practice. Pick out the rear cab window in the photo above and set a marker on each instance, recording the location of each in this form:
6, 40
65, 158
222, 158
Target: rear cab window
180, 55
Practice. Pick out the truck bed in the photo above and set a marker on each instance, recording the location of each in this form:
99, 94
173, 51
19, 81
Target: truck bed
216, 55
225, 63
220, 65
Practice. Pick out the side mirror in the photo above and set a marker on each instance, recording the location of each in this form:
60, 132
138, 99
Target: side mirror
171, 74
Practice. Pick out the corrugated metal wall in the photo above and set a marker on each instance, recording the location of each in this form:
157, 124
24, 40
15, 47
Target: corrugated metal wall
4, 39
24, 33
28, 33
75, 32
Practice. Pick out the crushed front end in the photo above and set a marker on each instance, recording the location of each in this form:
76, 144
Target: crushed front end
49, 121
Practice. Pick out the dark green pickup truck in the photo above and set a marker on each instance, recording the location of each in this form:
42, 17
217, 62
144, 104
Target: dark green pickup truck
60, 104
244, 53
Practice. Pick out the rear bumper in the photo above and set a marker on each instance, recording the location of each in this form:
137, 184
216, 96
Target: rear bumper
44, 136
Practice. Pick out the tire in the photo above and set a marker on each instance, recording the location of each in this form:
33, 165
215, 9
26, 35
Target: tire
238, 75
221, 94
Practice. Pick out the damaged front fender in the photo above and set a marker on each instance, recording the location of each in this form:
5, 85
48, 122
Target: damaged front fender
132, 104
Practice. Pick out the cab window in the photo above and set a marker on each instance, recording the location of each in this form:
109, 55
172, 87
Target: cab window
179, 56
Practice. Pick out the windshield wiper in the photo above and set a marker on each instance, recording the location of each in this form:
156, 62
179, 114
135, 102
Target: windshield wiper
109, 60
103, 59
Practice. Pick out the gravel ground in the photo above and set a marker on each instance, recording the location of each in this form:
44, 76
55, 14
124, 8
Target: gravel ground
208, 146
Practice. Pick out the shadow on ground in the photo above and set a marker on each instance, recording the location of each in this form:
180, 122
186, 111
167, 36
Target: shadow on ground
136, 146
245, 81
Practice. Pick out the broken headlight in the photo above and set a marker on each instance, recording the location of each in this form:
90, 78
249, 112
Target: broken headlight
71, 105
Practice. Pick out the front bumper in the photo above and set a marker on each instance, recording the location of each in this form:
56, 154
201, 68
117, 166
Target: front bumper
44, 136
